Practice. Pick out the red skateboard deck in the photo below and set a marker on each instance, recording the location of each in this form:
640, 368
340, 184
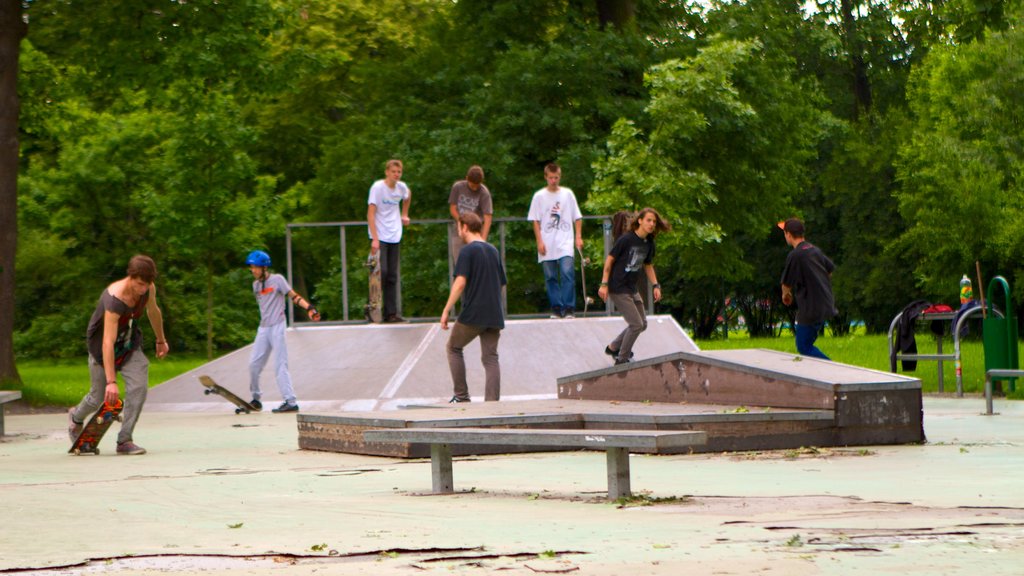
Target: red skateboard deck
88, 439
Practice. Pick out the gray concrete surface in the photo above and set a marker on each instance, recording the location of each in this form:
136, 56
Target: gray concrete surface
381, 367
230, 495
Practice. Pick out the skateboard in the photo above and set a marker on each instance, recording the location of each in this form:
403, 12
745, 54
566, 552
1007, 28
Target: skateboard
214, 388
88, 440
587, 300
375, 295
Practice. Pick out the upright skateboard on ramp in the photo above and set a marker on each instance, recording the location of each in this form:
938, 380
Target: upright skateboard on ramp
587, 300
375, 295
88, 440
214, 388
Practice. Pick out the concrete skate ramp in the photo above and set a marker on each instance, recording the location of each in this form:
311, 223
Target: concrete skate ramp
385, 367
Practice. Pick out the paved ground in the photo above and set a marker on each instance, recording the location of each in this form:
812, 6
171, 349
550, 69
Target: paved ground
233, 495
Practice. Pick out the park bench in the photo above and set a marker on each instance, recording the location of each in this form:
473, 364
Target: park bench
616, 443
993, 374
5, 397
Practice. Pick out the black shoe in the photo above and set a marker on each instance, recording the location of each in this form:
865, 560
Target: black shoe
618, 361
615, 354
256, 404
286, 407
457, 400
394, 319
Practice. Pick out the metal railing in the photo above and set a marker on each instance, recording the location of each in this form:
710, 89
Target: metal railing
500, 224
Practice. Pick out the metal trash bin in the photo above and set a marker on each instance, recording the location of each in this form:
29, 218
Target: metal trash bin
1000, 334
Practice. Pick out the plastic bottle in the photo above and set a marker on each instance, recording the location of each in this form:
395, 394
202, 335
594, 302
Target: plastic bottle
966, 292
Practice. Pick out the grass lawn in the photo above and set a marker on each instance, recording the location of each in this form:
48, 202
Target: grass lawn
65, 382
872, 351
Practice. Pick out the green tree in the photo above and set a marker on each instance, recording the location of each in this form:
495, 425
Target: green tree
537, 82
170, 80
207, 204
961, 165
731, 133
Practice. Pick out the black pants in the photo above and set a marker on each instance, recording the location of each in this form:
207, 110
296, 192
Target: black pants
389, 254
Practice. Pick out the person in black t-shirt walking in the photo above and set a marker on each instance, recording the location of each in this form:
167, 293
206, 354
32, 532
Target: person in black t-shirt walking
631, 253
479, 278
807, 277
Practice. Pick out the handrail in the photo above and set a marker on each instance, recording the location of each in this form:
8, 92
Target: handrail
955, 357
499, 223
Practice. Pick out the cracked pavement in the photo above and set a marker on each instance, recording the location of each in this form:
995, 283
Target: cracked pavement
220, 498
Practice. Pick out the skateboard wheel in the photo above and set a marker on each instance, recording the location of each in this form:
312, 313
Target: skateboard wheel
96, 451
99, 419
119, 418
78, 451
205, 392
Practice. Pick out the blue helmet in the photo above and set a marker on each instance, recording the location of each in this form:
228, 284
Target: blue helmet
258, 258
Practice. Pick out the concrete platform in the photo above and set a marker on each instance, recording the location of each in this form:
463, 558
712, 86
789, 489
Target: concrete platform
728, 427
384, 367
870, 406
742, 399
353, 378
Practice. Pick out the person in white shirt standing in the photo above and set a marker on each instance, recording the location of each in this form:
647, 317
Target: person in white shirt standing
387, 213
558, 228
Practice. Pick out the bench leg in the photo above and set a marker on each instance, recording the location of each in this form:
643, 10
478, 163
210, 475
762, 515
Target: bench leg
618, 473
988, 395
2, 410
441, 468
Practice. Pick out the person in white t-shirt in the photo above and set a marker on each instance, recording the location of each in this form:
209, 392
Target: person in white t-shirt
387, 213
558, 228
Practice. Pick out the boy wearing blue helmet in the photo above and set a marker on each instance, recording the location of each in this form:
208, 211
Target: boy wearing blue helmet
270, 291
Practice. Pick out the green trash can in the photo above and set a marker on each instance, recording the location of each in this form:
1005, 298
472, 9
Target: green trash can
1000, 334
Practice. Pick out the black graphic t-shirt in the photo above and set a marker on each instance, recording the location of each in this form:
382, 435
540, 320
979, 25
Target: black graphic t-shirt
129, 331
631, 253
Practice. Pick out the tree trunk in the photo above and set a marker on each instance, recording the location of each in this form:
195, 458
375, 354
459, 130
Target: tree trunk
617, 13
12, 30
858, 68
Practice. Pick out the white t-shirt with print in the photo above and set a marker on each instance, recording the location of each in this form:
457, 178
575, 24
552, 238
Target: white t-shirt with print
557, 213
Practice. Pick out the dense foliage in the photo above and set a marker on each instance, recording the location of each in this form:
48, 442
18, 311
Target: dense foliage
195, 131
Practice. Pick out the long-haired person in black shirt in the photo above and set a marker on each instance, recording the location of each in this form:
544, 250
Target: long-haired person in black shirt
632, 253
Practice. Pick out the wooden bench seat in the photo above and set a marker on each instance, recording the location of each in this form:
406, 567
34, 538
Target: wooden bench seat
5, 397
616, 443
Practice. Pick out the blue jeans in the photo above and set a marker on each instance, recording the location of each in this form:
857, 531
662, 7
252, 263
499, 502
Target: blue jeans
806, 334
560, 280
